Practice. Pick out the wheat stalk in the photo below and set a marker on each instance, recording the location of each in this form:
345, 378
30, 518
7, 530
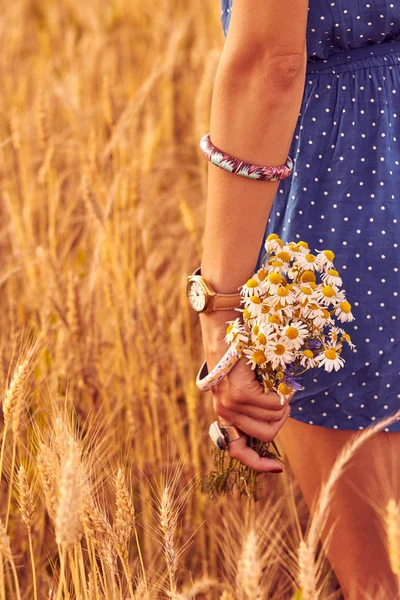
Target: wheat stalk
27, 508
168, 523
48, 470
249, 568
67, 520
307, 572
392, 526
125, 514
13, 399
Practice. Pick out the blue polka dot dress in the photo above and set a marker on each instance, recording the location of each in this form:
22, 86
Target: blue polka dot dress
344, 195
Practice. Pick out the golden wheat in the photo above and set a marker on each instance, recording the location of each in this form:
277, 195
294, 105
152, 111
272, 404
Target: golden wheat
101, 216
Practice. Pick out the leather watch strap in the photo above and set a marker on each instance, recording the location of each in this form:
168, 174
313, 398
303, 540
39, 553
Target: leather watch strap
222, 301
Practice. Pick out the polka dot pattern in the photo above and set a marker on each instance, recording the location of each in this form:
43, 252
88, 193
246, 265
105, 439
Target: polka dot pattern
344, 194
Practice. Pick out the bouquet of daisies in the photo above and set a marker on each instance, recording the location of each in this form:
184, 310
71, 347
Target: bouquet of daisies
292, 308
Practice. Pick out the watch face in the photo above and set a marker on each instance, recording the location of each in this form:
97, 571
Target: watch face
196, 295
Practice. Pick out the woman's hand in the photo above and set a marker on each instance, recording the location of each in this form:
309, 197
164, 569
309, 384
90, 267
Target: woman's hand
239, 399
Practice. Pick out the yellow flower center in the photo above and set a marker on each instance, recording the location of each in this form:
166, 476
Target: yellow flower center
272, 236
259, 357
331, 354
285, 389
346, 337
294, 247
284, 256
262, 273
274, 319
310, 258
265, 309
306, 290
262, 339
283, 292
345, 307
334, 336
246, 314
328, 291
308, 276
325, 313
308, 353
280, 349
302, 244
268, 383
256, 329
279, 374
255, 299
292, 333
277, 263
333, 272
329, 255
274, 278
251, 283
229, 328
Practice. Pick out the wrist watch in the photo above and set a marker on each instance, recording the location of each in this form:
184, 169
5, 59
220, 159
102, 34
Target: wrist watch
202, 297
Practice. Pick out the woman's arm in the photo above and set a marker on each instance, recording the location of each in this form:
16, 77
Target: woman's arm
256, 100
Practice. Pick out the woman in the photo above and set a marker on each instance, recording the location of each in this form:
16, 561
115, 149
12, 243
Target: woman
319, 83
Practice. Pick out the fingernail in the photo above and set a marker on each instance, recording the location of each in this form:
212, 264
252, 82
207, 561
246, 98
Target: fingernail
277, 471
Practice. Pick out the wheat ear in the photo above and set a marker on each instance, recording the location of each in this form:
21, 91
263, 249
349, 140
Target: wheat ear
249, 568
27, 508
392, 526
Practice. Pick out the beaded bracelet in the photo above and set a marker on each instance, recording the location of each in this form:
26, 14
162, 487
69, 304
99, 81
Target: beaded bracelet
239, 167
206, 381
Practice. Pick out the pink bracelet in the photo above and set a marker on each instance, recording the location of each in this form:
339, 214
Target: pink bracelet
239, 167
205, 381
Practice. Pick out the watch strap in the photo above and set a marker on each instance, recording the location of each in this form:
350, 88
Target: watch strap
222, 301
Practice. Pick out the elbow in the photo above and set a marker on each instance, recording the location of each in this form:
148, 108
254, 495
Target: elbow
282, 72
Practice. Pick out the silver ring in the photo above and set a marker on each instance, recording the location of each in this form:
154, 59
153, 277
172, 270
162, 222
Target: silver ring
223, 435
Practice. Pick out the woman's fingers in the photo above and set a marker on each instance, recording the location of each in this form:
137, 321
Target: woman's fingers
262, 430
260, 414
249, 457
247, 392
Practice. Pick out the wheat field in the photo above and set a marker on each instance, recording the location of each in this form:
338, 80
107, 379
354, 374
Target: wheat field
103, 431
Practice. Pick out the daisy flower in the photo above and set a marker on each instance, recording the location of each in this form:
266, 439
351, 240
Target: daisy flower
253, 305
326, 294
346, 338
233, 329
330, 359
303, 247
309, 262
308, 359
252, 287
305, 292
319, 315
334, 333
293, 271
273, 243
279, 354
331, 277
295, 333
343, 311
326, 258
272, 282
256, 356
275, 265
283, 295
264, 333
